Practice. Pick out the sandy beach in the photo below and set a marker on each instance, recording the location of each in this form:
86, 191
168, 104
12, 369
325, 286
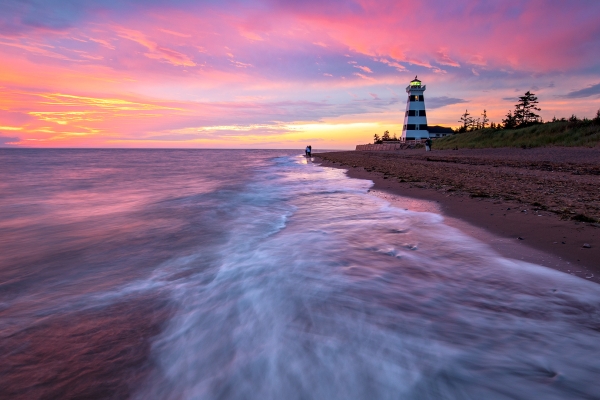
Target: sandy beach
536, 205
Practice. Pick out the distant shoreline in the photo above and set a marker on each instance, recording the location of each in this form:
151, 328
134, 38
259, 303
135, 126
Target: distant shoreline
493, 218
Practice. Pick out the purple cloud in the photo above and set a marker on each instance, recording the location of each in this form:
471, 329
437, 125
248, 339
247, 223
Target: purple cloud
5, 141
587, 92
439, 102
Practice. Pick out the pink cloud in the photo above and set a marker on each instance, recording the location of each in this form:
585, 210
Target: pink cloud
240, 64
103, 43
155, 51
184, 35
363, 76
364, 69
477, 59
394, 64
444, 59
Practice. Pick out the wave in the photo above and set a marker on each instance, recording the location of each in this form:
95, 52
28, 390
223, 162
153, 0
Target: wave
322, 291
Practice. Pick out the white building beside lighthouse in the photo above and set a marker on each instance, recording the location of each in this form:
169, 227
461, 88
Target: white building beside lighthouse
415, 119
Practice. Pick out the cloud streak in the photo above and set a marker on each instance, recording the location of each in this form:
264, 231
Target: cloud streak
587, 92
8, 141
439, 102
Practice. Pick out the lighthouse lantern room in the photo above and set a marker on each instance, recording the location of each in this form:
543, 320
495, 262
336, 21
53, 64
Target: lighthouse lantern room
415, 119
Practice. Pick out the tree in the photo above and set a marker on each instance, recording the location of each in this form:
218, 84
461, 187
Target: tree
510, 121
376, 139
394, 138
386, 135
597, 117
525, 109
485, 119
466, 120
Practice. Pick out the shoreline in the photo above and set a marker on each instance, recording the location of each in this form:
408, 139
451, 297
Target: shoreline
545, 238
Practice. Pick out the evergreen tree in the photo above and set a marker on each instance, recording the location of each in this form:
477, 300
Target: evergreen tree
597, 117
518, 116
484, 119
466, 120
394, 138
525, 109
510, 121
386, 135
376, 138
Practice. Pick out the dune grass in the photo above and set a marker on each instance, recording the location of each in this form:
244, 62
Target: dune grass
561, 133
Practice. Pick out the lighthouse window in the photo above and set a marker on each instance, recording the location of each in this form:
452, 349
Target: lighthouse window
413, 98
422, 113
411, 127
421, 98
423, 127
411, 113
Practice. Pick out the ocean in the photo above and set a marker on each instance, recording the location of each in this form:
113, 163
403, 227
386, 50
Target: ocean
258, 274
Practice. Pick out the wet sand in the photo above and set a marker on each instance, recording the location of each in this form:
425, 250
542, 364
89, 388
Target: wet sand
520, 202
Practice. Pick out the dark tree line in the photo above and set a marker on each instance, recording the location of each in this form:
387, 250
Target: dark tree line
573, 119
470, 123
386, 136
523, 115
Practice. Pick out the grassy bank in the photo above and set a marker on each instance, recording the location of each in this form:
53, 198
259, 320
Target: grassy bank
580, 133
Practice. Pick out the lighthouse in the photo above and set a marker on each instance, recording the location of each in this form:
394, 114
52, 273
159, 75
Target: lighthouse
415, 119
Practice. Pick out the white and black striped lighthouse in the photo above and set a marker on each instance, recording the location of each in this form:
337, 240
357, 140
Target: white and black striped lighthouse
415, 119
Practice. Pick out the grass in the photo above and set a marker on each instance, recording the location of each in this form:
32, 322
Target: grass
561, 133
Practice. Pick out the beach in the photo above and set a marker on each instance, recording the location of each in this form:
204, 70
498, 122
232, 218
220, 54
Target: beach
525, 199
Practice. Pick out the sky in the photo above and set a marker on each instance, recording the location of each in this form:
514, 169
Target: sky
281, 74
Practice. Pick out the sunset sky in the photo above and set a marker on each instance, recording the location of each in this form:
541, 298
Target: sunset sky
281, 74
